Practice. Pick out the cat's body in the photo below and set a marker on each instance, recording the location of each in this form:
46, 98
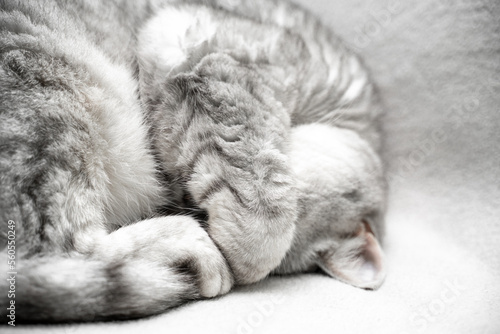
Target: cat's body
227, 91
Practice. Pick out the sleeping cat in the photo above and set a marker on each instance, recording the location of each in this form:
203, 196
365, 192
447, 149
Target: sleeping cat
247, 121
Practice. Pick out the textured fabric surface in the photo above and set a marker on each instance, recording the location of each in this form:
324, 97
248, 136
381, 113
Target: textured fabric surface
438, 69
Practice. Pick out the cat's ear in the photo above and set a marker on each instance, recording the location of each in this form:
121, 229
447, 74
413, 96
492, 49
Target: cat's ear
358, 261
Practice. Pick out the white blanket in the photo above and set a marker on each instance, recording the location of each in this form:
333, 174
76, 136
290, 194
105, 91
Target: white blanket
437, 64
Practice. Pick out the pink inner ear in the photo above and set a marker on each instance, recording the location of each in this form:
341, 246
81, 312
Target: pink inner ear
373, 255
366, 226
358, 261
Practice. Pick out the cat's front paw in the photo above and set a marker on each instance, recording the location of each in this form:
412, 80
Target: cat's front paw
175, 249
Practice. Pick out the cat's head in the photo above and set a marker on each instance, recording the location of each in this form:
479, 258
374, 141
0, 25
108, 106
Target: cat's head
341, 206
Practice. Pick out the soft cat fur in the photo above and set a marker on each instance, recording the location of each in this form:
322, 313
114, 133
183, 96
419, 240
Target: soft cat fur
253, 118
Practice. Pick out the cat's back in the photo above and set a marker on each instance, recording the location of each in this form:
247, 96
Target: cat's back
72, 140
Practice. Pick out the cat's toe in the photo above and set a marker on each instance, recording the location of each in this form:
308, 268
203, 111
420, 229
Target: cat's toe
216, 278
227, 282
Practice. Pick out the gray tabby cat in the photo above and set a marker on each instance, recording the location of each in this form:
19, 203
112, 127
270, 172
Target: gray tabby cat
250, 115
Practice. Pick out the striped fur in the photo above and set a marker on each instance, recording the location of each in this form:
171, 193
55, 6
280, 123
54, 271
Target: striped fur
115, 113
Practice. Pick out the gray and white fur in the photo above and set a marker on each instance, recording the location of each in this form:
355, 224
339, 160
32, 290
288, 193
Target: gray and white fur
156, 152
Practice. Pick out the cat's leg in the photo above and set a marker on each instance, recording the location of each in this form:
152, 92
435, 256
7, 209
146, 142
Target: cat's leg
138, 270
221, 132
168, 244
239, 174
218, 127
251, 205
